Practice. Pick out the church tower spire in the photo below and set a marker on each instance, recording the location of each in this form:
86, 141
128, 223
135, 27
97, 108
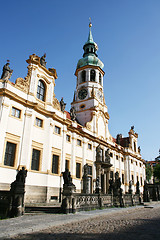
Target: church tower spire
89, 96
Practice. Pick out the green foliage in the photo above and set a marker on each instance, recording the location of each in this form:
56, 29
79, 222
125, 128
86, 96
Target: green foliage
156, 172
149, 172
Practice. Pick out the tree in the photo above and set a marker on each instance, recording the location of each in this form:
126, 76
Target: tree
156, 172
149, 172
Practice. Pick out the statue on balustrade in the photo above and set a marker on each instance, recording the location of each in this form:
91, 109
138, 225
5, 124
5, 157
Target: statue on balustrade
43, 60
62, 104
73, 114
7, 72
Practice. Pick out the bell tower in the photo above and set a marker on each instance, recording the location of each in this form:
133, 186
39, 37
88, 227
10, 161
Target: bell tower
89, 97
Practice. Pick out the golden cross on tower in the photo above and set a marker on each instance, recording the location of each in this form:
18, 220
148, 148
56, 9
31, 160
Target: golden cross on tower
90, 24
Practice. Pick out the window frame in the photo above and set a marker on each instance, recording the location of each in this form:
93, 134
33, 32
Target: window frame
79, 141
40, 120
39, 88
57, 163
57, 130
12, 138
89, 148
16, 110
78, 176
67, 135
7, 153
39, 160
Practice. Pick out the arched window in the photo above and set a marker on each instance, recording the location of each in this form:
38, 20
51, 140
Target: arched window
100, 78
41, 90
92, 75
83, 76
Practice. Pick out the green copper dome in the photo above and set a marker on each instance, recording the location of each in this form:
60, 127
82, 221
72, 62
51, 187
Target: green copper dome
90, 56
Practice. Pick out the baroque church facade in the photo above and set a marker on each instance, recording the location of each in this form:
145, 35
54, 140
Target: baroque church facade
37, 132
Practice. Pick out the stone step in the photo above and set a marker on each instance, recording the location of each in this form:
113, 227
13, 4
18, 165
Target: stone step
42, 209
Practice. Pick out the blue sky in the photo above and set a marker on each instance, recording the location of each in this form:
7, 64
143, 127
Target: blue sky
128, 36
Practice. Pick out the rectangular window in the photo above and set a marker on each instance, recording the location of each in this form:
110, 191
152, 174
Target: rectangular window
140, 164
78, 170
141, 181
111, 154
136, 163
90, 170
116, 157
89, 146
10, 154
55, 163
35, 160
16, 112
67, 164
122, 178
131, 160
79, 142
57, 130
39, 122
111, 174
68, 138
122, 159
132, 179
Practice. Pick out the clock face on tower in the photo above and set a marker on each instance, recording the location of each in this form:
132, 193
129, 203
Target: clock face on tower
82, 94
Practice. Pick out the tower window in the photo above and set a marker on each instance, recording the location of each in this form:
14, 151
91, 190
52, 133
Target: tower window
93, 75
41, 90
100, 78
83, 76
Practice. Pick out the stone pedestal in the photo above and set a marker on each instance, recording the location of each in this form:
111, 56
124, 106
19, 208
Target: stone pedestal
68, 202
17, 199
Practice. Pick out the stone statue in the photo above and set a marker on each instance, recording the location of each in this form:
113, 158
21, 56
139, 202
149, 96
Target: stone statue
97, 181
139, 149
118, 139
107, 156
43, 60
117, 185
63, 105
86, 179
98, 153
7, 72
146, 195
67, 178
137, 188
73, 113
21, 175
86, 170
111, 185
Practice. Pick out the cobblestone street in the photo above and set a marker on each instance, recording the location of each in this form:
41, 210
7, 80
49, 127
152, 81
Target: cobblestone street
131, 223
